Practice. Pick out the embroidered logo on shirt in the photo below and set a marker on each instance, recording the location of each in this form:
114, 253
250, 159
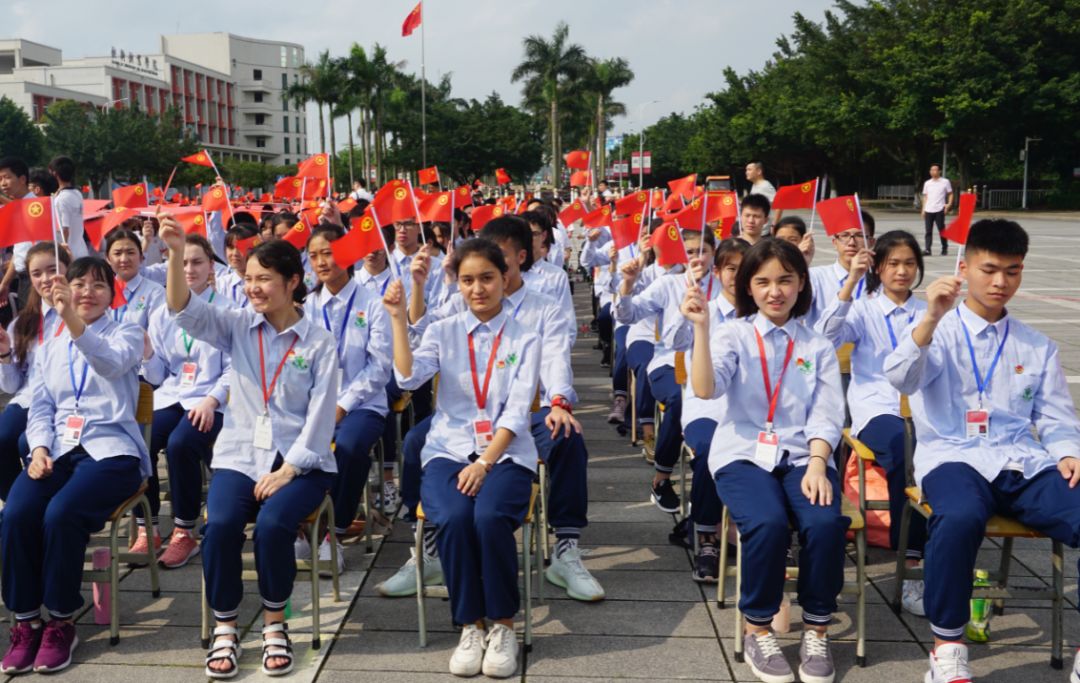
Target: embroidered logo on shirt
297, 361
804, 365
1028, 394
503, 363
360, 321
1019, 369
141, 304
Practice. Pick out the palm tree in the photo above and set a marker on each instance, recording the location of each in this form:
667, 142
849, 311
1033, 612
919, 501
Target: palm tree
360, 77
548, 67
386, 77
319, 83
607, 75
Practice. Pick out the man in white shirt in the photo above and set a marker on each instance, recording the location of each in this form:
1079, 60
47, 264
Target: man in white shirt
360, 191
755, 173
937, 196
14, 177
68, 206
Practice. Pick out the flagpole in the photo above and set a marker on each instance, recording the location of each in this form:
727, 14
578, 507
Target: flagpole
813, 207
862, 226
232, 218
704, 216
423, 93
386, 249
416, 209
57, 230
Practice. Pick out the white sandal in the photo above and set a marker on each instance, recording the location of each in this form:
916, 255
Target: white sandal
224, 648
277, 647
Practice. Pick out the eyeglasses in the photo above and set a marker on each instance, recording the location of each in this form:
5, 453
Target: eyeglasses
849, 238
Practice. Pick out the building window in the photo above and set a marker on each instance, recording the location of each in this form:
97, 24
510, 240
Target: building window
285, 120
284, 104
260, 119
257, 74
284, 81
258, 97
286, 146
284, 56
287, 161
260, 142
298, 125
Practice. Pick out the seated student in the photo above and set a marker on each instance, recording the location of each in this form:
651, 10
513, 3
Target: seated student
753, 217
231, 283
874, 324
87, 457
123, 249
479, 462
780, 418
272, 460
594, 256
827, 280
661, 299
35, 323
620, 369
699, 418
998, 431
793, 229
357, 319
192, 385
284, 222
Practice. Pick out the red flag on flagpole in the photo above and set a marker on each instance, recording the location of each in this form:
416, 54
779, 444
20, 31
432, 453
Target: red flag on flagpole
632, 203
192, 221
26, 220
598, 218
580, 178
299, 234
575, 211
317, 166
579, 158
361, 240
501, 176
799, 196
668, 244
463, 197
958, 229
130, 197
683, 186
394, 202
625, 231
217, 199
247, 244
412, 22
437, 207
839, 214
288, 187
202, 158
428, 176
482, 215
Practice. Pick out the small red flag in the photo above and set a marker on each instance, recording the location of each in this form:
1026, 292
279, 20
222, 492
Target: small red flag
683, 186
314, 189
346, 205
26, 220
632, 203
412, 22
483, 214
299, 234
199, 159
217, 199
248, 243
394, 202
193, 222
799, 196
509, 202
463, 197
317, 166
428, 176
436, 207
288, 187
361, 240
501, 176
118, 299
668, 244
698, 212
130, 197
957, 232
580, 178
575, 211
839, 214
625, 231
598, 218
266, 198
579, 158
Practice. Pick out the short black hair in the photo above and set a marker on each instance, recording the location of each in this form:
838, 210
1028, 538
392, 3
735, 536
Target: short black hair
96, 267
794, 222
538, 219
883, 246
64, 168
477, 246
724, 250
757, 256
868, 222
284, 259
758, 201
706, 235
119, 235
240, 231
16, 165
43, 179
513, 229
997, 236
936, 164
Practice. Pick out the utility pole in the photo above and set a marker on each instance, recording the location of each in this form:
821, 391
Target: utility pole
1023, 196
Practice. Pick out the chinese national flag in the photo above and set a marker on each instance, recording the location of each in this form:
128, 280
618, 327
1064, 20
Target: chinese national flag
288, 187
248, 243
683, 186
298, 235
599, 218
217, 199
674, 203
509, 202
394, 202
482, 215
625, 231
575, 211
314, 189
580, 178
199, 159
118, 293
668, 244
428, 176
719, 206
796, 196
193, 222
501, 176
657, 202
346, 205
839, 214
317, 166
579, 158
957, 232
26, 220
130, 197
412, 22
361, 240
463, 197
632, 203
437, 207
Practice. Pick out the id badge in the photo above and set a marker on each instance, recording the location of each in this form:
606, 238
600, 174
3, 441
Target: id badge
978, 423
73, 429
482, 430
188, 372
263, 434
768, 445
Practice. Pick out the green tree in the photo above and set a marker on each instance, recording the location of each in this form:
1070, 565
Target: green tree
19, 137
604, 77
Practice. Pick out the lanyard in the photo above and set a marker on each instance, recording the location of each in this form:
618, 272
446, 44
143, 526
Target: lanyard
858, 288
188, 341
888, 324
771, 395
120, 311
517, 309
481, 395
234, 297
980, 381
262, 370
71, 371
344, 320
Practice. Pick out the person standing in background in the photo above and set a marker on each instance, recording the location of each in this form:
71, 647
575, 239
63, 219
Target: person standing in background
755, 174
937, 196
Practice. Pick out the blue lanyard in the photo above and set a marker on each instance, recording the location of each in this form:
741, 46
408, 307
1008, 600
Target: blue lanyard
981, 382
234, 297
518, 308
858, 289
71, 371
385, 285
888, 323
344, 321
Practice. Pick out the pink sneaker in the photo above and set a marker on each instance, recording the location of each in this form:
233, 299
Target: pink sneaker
57, 645
182, 547
141, 545
25, 641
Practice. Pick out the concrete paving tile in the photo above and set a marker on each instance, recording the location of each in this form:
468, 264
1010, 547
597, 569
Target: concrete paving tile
660, 586
622, 618
647, 558
612, 657
135, 673
620, 533
390, 651
881, 624
629, 512
885, 662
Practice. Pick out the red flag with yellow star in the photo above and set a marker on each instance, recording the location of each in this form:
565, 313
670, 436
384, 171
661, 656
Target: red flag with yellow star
799, 196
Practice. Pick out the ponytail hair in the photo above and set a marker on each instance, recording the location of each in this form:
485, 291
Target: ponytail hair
28, 323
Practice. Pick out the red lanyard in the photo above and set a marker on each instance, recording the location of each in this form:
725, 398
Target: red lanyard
708, 296
262, 369
41, 331
771, 395
481, 396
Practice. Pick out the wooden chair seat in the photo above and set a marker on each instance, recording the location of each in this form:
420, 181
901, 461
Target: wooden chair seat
401, 403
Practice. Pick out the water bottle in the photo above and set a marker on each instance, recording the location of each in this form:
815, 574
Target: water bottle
978, 628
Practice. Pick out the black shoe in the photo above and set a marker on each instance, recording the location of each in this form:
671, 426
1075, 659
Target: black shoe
927, 252
663, 494
707, 563
944, 251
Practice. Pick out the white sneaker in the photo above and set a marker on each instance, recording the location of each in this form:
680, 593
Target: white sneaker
324, 558
500, 661
567, 571
912, 598
1074, 677
949, 664
302, 548
403, 582
389, 500
468, 657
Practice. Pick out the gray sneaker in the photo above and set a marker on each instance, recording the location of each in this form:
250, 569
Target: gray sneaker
815, 660
762, 653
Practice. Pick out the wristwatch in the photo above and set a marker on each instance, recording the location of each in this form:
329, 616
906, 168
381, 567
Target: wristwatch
561, 402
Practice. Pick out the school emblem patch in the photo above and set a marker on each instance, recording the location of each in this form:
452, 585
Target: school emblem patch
360, 320
805, 366
1019, 369
298, 361
1028, 395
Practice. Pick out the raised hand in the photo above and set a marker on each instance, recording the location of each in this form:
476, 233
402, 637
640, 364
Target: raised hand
170, 232
694, 307
941, 296
394, 300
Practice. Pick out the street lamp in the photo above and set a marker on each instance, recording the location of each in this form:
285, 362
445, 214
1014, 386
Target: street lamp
1027, 141
641, 142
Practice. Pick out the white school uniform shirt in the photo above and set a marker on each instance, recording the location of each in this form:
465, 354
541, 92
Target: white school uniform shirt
825, 283
875, 324
644, 329
551, 280
303, 400
937, 194
143, 297
68, 207
694, 408
1027, 389
110, 353
594, 254
376, 284
400, 262
357, 319
557, 254
662, 299
811, 402
514, 377
173, 347
15, 376
230, 285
